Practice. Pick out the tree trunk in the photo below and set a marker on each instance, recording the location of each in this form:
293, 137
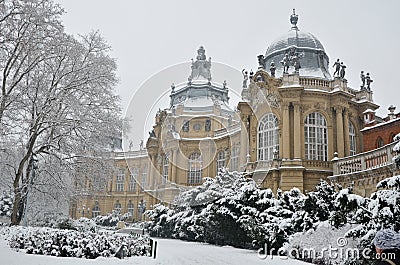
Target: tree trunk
17, 207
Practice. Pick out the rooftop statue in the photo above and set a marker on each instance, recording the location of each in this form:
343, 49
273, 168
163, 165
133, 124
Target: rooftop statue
337, 68
296, 62
261, 61
272, 69
342, 70
245, 78
285, 62
362, 76
369, 81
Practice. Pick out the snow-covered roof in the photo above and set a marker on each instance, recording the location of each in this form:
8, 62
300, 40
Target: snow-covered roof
380, 124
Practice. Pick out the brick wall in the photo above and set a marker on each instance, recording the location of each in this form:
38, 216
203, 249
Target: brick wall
385, 131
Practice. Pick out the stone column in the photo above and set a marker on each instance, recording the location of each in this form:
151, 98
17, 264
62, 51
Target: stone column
285, 132
298, 143
244, 140
339, 131
170, 165
173, 166
346, 133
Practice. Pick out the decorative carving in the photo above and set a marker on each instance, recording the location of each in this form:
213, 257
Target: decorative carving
201, 68
273, 101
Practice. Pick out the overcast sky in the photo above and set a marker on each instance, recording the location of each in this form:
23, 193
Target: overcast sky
149, 36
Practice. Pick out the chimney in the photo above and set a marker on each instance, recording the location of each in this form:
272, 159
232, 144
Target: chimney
369, 118
391, 114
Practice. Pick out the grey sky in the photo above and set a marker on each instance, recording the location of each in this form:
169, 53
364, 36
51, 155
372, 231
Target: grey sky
148, 36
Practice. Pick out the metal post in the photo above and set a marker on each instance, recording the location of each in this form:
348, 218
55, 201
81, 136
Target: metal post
155, 250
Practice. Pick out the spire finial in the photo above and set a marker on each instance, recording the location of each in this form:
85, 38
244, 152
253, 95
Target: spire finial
293, 19
201, 67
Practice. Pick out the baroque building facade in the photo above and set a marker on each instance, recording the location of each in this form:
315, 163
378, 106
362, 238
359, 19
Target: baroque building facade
293, 122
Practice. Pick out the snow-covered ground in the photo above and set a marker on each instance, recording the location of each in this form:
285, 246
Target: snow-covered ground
170, 252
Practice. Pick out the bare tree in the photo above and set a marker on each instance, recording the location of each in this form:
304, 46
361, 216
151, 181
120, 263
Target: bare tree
58, 107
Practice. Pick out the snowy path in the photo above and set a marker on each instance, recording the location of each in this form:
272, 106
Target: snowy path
170, 252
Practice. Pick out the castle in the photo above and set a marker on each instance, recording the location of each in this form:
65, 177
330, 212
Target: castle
296, 124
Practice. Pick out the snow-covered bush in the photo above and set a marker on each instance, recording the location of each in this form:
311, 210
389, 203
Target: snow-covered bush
6, 202
231, 209
70, 243
111, 219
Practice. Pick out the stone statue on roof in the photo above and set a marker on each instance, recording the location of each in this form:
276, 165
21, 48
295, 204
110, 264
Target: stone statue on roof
245, 78
362, 76
369, 81
272, 69
296, 62
261, 62
337, 68
286, 63
342, 70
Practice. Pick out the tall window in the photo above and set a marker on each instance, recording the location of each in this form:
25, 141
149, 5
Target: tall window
220, 160
195, 168
379, 142
352, 136
119, 185
315, 134
165, 169
144, 178
234, 164
117, 206
96, 209
130, 208
268, 137
132, 179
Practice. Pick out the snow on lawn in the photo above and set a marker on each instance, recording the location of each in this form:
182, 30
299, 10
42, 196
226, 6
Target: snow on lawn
170, 252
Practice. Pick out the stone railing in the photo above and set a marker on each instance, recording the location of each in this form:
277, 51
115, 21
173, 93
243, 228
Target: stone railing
365, 161
317, 164
315, 83
130, 154
228, 130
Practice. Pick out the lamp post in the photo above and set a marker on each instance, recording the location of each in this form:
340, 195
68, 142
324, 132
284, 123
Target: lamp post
83, 210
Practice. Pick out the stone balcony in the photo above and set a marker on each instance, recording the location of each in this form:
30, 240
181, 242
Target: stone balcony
366, 169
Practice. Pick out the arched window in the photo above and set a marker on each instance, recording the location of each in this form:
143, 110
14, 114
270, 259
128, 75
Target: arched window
220, 160
119, 184
315, 137
132, 179
130, 208
234, 164
96, 209
144, 178
195, 168
379, 142
352, 139
165, 169
117, 206
268, 137
391, 137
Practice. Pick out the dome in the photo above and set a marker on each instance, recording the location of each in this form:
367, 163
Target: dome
295, 38
313, 60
